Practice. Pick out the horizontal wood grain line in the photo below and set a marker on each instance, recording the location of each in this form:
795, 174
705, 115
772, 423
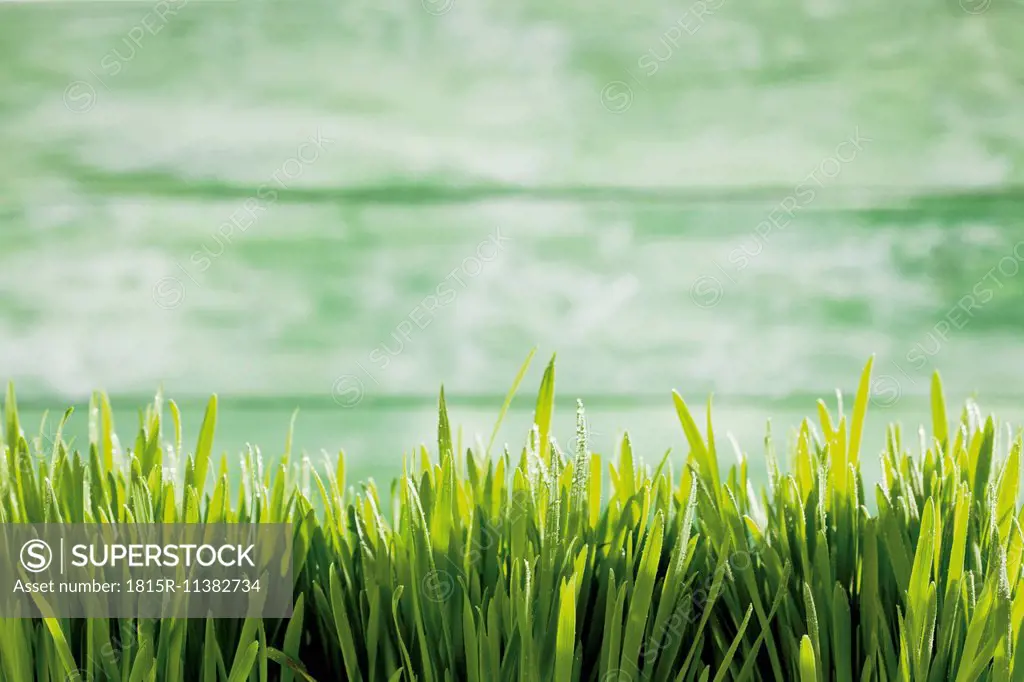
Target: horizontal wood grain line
417, 402
163, 185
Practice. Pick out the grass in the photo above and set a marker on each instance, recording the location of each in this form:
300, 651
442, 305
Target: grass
543, 565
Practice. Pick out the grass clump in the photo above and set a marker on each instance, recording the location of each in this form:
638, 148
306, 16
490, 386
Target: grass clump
545, 565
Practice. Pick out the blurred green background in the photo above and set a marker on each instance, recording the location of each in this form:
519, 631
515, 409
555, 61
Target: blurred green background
337, 206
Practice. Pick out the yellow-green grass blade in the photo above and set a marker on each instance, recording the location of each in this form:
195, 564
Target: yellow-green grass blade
842, 634
144, 663
243, 664
544, 410
808, 668
65, 657
940, 420
211, 650
727, 660
344, 630
195, 472
508, 399
1009, 482
860, 408
566, 631
293, 636
706, 464
639, 608
783, 592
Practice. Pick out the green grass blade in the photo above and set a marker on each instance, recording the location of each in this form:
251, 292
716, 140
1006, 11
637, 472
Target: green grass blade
508, 399
545, 407
243, 664
808, 669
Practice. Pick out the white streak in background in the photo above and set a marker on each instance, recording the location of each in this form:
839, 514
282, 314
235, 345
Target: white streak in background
597, 304
348, 389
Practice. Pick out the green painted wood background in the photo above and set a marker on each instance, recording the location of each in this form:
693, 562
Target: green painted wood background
739, 198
